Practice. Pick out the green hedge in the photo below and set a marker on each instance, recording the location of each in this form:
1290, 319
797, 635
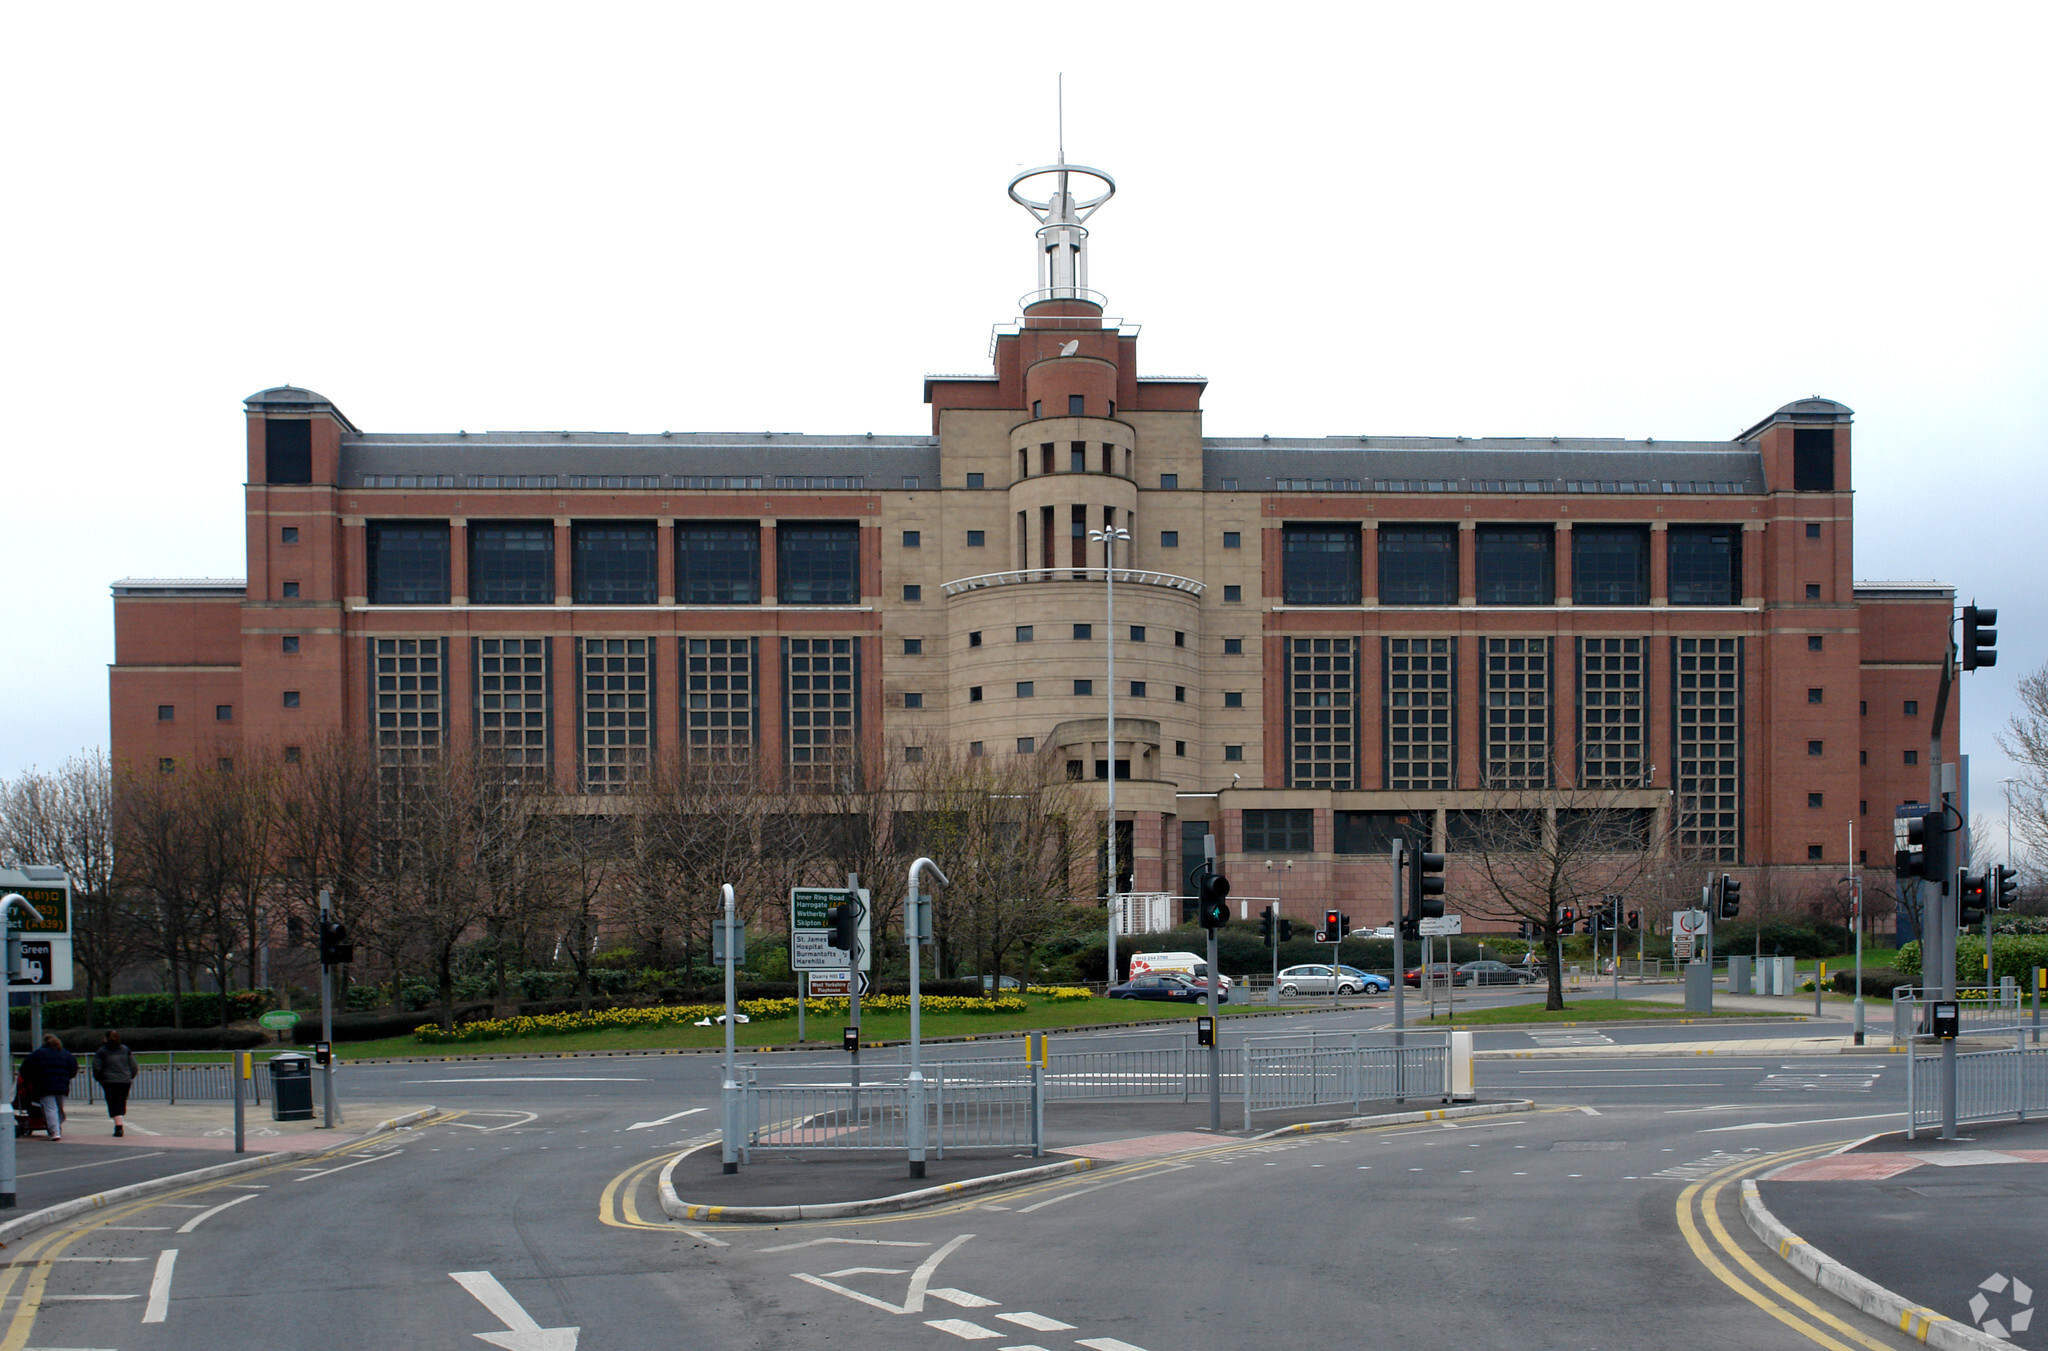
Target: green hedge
2016, 956
148, 1010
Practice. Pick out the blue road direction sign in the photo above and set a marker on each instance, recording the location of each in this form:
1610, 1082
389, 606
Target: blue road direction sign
48, 890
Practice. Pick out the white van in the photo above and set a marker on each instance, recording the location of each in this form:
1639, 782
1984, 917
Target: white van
1187, 963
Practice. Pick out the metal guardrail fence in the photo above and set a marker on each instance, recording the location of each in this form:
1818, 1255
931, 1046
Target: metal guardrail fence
1991, 1085
1980, 1007
1279, 1077
204, 1082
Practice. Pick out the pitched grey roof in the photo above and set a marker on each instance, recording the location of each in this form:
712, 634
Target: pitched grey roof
884, 460
1463, 464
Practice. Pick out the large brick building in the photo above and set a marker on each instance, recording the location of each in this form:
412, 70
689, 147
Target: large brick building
1314, 637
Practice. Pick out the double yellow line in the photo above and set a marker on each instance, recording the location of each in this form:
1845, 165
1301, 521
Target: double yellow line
1698, 1208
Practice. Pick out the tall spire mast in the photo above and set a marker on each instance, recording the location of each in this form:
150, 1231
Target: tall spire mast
1062, 238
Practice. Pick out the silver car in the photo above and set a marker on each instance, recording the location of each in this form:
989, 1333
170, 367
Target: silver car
1315, 979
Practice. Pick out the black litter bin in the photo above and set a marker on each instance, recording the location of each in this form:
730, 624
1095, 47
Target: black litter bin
291, 1088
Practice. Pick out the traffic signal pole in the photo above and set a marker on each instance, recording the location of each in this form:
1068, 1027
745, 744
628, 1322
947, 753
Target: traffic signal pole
1215, 975
330, 1113
1400, 974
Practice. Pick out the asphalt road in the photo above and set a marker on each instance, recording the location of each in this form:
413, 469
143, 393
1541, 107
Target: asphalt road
530, 1207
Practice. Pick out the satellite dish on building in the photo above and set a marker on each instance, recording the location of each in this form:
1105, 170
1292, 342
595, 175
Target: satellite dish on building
1070, 347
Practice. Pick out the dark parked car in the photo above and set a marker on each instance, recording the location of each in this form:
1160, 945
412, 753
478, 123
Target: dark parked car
1437, 971
1160, 985
1493, 973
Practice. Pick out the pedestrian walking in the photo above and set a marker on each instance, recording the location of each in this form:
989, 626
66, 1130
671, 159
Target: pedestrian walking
113, 1065
49, 1070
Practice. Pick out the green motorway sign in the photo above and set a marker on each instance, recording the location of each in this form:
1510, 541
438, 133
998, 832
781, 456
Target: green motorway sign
53, 903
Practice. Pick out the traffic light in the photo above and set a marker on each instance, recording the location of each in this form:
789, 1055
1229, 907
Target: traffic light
1566, 919
2005, 887
1266, 926
1524, 930
1635, 920
1333, 931
1287, 931
1970, 905
1425, 891
1731, 897
1343, 926
335, 949
845, 925
1980, 639
1213, 893
1926, 852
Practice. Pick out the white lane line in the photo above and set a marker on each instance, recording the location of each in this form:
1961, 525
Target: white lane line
1037, 1322
704, 1237
205, 1215
864, 1271
1817, 1121
1024, 1346
524, 1118
524, 1332
96, 1163
538, 1079
961, 1299
643, 1125
1590, 1111
160, 1287
850, 1242
140, 1228
48, 1298
1107, 1344
824, 1284
346, 1166
1083, 1191
961, 1328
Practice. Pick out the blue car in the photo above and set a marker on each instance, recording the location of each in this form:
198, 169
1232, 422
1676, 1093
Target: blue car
1367, 980
1170, 985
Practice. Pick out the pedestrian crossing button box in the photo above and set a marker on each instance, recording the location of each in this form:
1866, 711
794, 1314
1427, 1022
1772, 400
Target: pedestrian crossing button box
1947, 1021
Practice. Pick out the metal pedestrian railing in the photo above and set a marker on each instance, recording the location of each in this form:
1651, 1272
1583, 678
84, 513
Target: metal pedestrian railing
1992, 1084
1277, 1077
1979, 1007
208, 1081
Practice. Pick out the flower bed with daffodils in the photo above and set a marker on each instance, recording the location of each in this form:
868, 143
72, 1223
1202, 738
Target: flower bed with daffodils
756, 1010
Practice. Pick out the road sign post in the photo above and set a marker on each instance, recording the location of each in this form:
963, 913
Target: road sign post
8, 906
917, 930
729, 1152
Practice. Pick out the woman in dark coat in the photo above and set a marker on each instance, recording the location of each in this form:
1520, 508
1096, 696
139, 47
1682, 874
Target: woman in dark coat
49, 1070
113, 1065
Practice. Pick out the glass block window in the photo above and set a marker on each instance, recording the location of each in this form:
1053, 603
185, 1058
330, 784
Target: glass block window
511, 563
408, 562
1610, 565
1518, 690
818, 564
1322, 713
718, 563
1610, 712
1706, 564
1288, 830
1375, 832
821, 707
407, 693
1319, 565
720, 697
616, 678
1421, 712
1418, 565
613, 564
1517, 564
512, 703
1707, 731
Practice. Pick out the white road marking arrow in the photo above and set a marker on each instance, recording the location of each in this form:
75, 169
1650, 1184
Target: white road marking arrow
524, 1334
643, 1125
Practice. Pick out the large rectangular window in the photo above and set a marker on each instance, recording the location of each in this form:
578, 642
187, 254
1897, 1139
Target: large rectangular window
1375, 832
718, 563
1290, 830
512, 704
1420, 712
1706, 564
1319, 565
408, 562
1418, 565
407, 693
1610, 565
1322, 732
1610, 712
614, 564
616, 678
1813, 460
511, 563
287, 450
1517, 564
821, 709
1706, 676
817, 564
721, 710
1518, 689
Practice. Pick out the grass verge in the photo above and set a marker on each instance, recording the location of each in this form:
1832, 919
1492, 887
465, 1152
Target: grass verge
1574, 1011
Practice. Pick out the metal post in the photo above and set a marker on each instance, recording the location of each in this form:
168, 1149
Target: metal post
1820, 972
1400, 985
1614, 913
2040, 978
7, 951
853, 1006
171, 1073
329, 1116
1216, 1037
913, 931
803, 983
1036, 1045
238, 1070
1856, 918
1109, 535
35, 1021
729, 1148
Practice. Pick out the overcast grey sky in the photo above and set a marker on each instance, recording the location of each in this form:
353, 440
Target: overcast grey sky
1627, 220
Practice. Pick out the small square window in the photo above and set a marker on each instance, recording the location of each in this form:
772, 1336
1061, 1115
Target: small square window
1233, 594
1912, 708
1863, 807
976, 481
1912, 757
1813, 590
1813, 853
1038, 408
291, 755
1137, 633
1233, 647
1180, 748
291, 698
1814, 748
974, 638
913, 647
226, 764
1169, 539
1814, 799
1230, 485
912, 592
1074, 770
166, 712
1863, 708
1077, 405
1813, 530
1026, 689
974, 694
1813, 642
974, 749
1233, 752
1083, 632
1233, 539
1863, 856
1023, 633
291, 590
977, 539
1168, 482
166, 765
1863, 757
223, 712
290, 642
1137, 689
1027, 745
1180, 694
290, 534
1084, 687
913, 700
913, 539
913, 754
1813, 696
1233, 699
1077, 458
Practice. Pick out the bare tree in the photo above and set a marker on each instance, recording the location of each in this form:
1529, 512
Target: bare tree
66, 820
2025, 739
326, 837
162, 857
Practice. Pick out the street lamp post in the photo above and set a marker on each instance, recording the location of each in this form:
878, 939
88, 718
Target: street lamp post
1108, 536
7, 904
1855, 881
